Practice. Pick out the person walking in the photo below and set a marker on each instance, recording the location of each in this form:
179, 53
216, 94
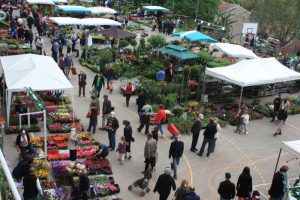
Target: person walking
72, 142
23, 144
278, 185
191, 195
55, 50
182, 191
195, 129
276, 103
122, 150
111, 126
217, 135
39, 43
160, 118
61, 63
164, 184
245, 122
239, 117
82, 83
67, 182
141, 100
244, 185
32, 186
175, 152
226, 188
128, 92
128, 137
145, 115
98, 83
150, 152
282, 116
68, 64
106, 110
93, 115
209, 135
84, 184
154, 132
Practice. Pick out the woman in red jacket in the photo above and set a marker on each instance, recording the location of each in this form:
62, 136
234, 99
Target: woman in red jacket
128, 92
160, 118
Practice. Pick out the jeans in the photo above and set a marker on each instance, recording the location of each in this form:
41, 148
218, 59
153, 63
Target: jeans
205, 141
213, 145
112, 139
104, 118
67, 71
159, 127
175, 163
245, 127
97, 90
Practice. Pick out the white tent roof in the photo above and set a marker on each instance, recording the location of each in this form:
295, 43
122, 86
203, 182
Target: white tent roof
293, 147
233, 50
48, 2
35, 71
252, 72
102, 10
62, 21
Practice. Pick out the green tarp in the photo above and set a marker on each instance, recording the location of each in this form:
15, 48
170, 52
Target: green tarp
178, 52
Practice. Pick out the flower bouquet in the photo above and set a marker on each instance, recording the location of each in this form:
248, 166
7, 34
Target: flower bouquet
50, 195
47, 184
41, 174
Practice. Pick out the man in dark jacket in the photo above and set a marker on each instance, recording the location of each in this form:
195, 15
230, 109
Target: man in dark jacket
164, 184
176, 151
106, 110
111, 126
209, 134
98, 83
141, 100
84, 184
276, 189
169, 73
32, 186
192, 195
81, 83
276, 103
196, 131
226, 188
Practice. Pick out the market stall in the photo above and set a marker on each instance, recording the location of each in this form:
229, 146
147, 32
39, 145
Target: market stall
292, 147
102, 10
233, 50
194, 36
258, 71
73, 9
178, 52
65, 2
155, 8
41, 73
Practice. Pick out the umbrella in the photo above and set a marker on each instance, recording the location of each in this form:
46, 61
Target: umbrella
194, 36
117, 33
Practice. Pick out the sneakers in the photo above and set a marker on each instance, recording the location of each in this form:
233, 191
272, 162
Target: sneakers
246, 133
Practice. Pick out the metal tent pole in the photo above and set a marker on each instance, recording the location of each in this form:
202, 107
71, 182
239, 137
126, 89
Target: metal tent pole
278, 160
241, 95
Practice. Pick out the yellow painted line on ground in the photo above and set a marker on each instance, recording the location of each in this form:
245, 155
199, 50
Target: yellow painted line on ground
184, 157
294, 127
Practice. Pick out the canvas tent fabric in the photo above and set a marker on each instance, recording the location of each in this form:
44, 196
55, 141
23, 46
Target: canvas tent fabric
63, 21
41, 73
73, 9
178, 52
258, 71
60, 1
102, 10
194, 36
293, 147
233, 50
156, 8
46, 2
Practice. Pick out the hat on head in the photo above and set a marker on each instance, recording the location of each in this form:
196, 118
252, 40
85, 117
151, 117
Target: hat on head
112, 113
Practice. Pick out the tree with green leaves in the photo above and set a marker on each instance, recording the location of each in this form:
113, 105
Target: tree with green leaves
277, 18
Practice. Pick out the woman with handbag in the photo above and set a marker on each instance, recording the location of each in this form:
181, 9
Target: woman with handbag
128, 137
93, 115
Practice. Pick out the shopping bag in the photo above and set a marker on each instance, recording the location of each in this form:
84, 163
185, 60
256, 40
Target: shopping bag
92, 91
172, 129
74, 71
88, 115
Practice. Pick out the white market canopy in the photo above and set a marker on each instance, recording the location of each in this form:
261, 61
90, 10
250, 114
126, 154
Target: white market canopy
102, 10
60, 1
41, 73
63, 21
293, 147
258, 71
155, 8
233, 50
47, 2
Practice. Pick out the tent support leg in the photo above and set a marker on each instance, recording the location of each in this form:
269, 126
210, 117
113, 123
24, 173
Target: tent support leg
45, 134
241, 95
277, 160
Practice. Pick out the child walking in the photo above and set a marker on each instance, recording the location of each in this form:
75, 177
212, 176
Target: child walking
245, 121
122, 150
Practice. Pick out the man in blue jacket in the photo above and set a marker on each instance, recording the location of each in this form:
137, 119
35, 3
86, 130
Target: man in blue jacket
192, 195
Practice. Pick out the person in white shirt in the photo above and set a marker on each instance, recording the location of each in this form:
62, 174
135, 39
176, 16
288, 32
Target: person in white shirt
245, 122
72, 145
217, 135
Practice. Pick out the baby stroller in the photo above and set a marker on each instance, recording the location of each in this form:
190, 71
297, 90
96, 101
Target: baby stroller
143, 183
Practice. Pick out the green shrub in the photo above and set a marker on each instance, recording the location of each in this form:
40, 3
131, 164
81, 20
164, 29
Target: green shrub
123, 44
205, 57
170, 101
178, 111
184, 124
157, 41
